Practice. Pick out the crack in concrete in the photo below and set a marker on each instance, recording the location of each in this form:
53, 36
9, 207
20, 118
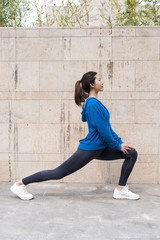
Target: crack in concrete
16, 76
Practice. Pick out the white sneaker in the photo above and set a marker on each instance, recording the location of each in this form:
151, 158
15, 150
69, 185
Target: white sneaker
21, 191
125, 193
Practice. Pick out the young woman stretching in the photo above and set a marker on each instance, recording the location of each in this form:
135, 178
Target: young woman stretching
100, 143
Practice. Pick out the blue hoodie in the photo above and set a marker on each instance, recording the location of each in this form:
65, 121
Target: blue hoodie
100, 134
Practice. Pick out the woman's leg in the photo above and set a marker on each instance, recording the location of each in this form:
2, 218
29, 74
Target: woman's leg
122, 191
78, 160
128, 164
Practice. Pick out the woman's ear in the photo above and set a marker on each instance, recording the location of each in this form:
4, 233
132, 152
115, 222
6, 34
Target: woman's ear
92, 85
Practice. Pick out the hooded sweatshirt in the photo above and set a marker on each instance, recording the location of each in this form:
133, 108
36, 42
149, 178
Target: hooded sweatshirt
100, 134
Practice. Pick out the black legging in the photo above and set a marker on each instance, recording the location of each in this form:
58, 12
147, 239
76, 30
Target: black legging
80, 158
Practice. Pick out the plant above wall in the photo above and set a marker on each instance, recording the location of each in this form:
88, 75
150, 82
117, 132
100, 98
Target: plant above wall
79, 13
14, 13
138, 14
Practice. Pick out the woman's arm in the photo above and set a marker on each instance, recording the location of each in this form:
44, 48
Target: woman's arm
116, 137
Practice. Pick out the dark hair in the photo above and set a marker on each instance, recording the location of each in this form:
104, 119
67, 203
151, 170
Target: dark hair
82, 87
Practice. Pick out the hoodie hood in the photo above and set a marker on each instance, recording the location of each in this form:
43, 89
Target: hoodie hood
84, 108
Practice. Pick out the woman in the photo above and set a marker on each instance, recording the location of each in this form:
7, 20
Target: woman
100, 143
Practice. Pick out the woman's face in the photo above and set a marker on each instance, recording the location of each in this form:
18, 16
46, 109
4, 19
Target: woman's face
98, 84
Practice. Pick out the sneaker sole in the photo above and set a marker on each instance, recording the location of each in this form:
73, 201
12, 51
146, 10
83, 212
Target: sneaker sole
120, 197
12, 190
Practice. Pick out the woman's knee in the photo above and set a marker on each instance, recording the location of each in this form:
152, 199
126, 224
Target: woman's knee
133, 153
58, 174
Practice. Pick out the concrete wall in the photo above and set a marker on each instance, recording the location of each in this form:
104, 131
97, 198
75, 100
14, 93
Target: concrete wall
40, 124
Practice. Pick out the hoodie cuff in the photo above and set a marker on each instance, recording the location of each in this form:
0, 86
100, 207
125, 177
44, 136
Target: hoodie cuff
119, 148
120, 141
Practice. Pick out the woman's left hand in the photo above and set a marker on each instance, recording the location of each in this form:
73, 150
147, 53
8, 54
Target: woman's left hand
125, 148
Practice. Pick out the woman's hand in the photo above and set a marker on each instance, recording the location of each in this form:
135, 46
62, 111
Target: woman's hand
125, 147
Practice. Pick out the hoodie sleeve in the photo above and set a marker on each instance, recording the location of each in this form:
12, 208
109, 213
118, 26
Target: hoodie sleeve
97, 120
116, 137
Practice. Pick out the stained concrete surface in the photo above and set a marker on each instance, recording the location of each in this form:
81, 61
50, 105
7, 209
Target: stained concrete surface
70, 211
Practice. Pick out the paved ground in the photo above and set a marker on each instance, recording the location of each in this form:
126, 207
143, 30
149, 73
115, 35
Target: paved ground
79, 212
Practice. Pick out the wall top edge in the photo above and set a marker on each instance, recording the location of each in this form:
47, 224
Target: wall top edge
102, 27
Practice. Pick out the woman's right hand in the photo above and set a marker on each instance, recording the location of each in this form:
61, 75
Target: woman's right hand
125, 147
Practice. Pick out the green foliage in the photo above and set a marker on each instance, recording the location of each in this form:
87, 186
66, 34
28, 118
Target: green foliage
13, 13
138, 14
70, 14
150, 14
130, 16
106, 10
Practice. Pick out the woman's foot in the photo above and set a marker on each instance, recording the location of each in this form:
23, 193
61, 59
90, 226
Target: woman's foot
21, 191
125, 193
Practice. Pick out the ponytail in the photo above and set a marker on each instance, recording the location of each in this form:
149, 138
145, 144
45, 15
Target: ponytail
79, 94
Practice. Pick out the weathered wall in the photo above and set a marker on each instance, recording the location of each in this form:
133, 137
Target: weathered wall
40, 124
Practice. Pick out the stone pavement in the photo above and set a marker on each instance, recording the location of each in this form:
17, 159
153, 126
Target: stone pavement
67, 211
